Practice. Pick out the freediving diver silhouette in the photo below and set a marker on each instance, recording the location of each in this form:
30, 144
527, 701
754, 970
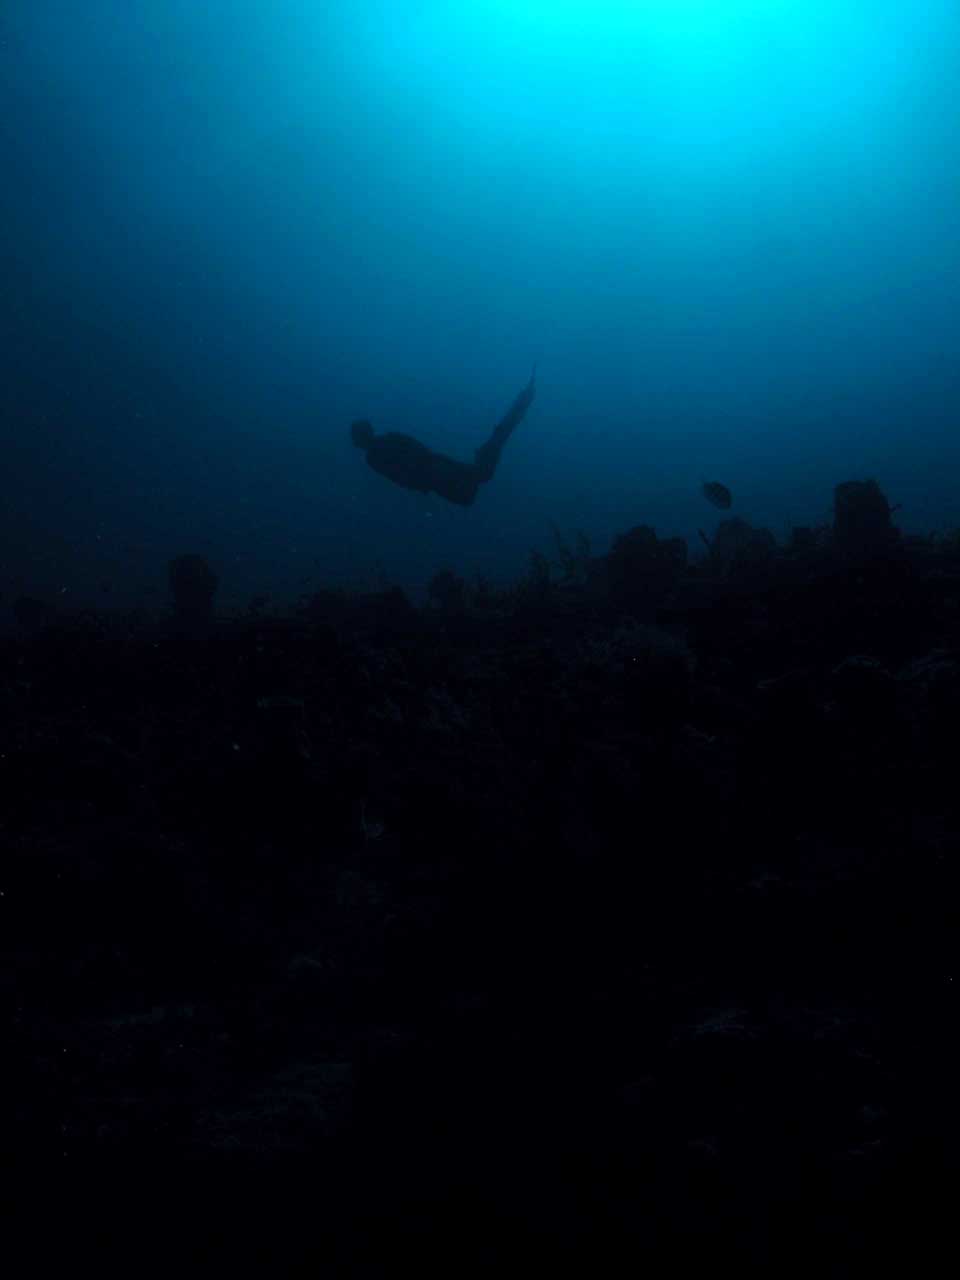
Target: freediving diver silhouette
407, 462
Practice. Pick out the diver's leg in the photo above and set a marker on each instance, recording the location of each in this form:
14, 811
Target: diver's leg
454, 480
488, 455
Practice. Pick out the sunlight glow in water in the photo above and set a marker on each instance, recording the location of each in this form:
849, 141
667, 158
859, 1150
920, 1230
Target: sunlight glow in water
685, 18
694, 28
747, 74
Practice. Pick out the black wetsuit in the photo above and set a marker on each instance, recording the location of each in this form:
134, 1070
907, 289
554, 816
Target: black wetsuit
407, 462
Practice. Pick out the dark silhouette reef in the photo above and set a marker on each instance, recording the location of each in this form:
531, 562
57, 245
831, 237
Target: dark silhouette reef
614, 909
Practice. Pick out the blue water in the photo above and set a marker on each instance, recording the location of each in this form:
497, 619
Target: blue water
728, 231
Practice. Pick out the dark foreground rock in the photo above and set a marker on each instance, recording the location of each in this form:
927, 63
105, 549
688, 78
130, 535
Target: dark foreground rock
552, 934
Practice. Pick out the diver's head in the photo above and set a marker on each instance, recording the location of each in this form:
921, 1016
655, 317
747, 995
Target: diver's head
362, 433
